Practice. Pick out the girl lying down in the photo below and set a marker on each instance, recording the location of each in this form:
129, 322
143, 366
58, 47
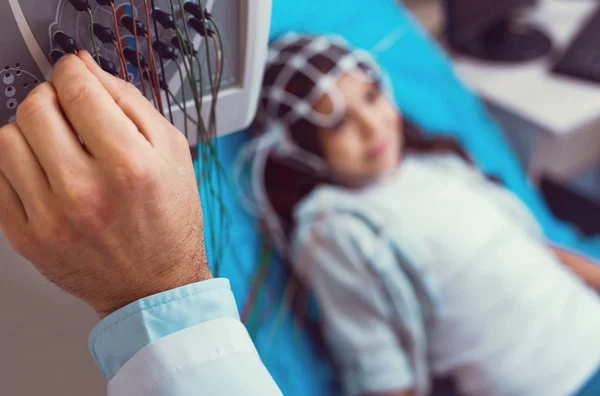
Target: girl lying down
422, 267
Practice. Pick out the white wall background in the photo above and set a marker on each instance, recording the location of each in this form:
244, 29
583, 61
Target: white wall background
43, 335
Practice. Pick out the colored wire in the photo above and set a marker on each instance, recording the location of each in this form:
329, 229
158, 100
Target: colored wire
152, 87
207, 136
189, 73
153, 76
209, 141
222, 58
187, 56
184, 50
217, 83
119, 43
193, 121
215, 89
184, 46
199, 124
137, 47
154, 69
219, 51
94, 44
205, 145
219, 78
283, 310
161, 61
122, 63
188, 52
292, 288
201, 85
212, 88
183, 109
257, 282
215, 94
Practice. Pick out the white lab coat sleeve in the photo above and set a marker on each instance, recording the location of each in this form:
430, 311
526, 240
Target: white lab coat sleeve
215, 358
186, 341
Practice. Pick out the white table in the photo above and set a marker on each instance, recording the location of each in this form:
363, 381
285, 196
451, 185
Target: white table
555, 119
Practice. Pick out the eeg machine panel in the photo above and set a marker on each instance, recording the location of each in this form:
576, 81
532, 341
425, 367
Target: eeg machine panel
28, 36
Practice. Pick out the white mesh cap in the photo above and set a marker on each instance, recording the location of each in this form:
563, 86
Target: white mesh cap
300, 70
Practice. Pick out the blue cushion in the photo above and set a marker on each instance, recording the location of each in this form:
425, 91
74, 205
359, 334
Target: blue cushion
429, 93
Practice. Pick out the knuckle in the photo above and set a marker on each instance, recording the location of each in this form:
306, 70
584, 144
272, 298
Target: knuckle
87, 207
36, 102
77, 91
78, 194
44, 88
56, 230
76, 191
8, 138
66, 64
136, 172
126, 91
129, 89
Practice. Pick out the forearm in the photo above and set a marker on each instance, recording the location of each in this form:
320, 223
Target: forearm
587, 270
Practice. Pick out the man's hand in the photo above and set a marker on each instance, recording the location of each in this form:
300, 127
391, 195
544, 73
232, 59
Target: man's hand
114, 219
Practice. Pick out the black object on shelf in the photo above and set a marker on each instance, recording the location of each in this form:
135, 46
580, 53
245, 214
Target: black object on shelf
572, 206
582, 58
487, 29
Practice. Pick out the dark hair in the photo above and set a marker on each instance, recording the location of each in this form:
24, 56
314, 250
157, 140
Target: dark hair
286, 185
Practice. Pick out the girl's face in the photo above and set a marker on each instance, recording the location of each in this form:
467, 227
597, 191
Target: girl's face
368, 141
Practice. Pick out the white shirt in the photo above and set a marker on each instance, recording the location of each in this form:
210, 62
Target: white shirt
509, 308
512, 320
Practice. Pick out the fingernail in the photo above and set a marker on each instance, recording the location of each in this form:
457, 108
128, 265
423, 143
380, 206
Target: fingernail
85, 54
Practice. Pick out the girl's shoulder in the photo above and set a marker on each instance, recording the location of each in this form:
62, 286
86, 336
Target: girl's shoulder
336, 213
333, 216
330, 204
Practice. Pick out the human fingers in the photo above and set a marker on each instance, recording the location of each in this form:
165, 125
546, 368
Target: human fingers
143, 114
93, 113
21, 168
12, 211
50, 136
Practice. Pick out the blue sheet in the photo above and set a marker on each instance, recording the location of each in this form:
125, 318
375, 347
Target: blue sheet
429, 93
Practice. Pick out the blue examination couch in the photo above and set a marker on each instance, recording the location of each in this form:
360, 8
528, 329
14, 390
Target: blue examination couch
429, 93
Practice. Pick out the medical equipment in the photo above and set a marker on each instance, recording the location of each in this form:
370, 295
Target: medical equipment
173, 50
487, 29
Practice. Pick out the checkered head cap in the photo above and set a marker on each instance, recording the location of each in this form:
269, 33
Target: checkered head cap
300, 70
